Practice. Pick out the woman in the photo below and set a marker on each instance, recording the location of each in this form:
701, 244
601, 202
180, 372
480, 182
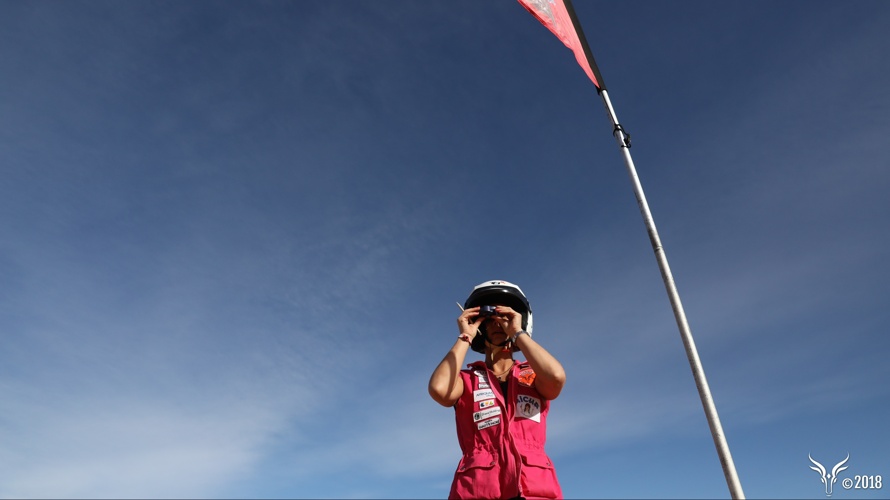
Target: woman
501, 404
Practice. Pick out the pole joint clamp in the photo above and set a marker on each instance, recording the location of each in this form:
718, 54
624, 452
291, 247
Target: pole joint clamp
618, 128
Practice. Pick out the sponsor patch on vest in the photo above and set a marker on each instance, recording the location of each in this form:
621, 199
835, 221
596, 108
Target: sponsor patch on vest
488, 423
488, 403
528, 407
527, 377
482, 415
482, 394
483, 378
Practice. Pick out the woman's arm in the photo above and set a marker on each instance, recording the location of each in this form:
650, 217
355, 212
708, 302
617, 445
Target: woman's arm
550, 377
445, 385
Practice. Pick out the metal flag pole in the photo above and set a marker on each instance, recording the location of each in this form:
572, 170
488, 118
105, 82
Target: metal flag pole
549, 12
698, 372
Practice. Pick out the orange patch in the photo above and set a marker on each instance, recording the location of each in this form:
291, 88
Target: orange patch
527, 377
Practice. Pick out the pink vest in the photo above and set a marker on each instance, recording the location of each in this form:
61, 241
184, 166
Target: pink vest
502, 440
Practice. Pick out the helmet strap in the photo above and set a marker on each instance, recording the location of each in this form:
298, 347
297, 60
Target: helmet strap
502, 344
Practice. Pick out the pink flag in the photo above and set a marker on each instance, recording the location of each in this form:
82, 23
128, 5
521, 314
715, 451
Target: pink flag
557, 16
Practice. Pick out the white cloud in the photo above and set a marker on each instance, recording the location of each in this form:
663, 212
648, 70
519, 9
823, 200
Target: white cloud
129, 446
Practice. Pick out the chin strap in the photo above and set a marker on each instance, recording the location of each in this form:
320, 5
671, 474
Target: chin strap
506, 346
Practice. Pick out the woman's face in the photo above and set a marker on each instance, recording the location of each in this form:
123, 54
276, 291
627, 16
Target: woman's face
495, 330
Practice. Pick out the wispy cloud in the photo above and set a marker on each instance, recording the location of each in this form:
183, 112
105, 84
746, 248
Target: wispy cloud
130, 446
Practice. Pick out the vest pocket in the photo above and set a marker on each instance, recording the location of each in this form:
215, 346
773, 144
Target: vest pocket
477, 476
481, 459
538, 476
537, 460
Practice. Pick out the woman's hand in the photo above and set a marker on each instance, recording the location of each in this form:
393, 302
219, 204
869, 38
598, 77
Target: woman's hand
466, 325
509, 320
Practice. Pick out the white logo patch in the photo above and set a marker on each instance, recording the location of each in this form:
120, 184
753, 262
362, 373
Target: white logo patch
528, 407
483, 379
486, 404
482, 415
483, 394
488, 423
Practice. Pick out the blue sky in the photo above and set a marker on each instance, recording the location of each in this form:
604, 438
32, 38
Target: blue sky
232, 235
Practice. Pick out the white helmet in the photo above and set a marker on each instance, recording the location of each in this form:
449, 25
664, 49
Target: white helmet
501, 293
